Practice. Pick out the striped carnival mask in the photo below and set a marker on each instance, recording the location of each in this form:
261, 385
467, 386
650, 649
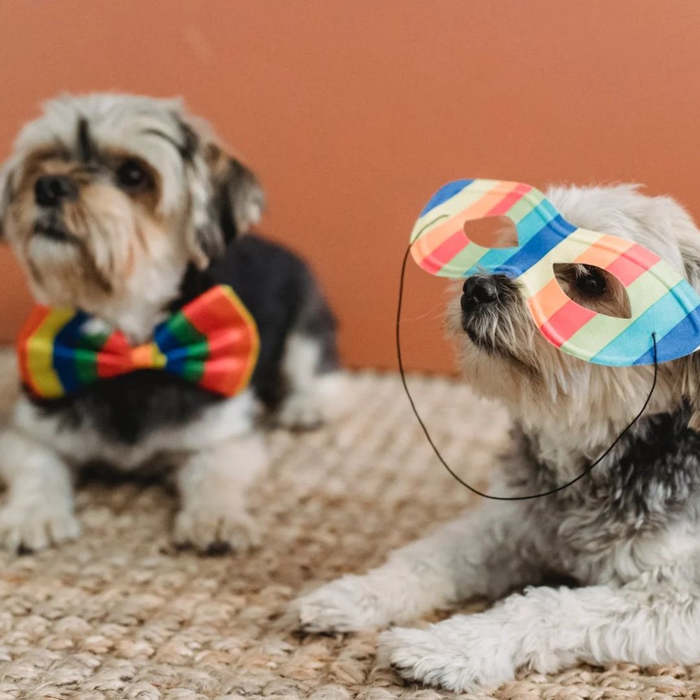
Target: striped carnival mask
661, 301
212, 342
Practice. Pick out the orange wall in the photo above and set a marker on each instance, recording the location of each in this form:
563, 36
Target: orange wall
354, 112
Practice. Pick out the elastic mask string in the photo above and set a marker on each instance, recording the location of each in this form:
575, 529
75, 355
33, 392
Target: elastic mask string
586, 471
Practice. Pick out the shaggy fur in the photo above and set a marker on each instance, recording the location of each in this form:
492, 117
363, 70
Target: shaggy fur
627, 534
128, 208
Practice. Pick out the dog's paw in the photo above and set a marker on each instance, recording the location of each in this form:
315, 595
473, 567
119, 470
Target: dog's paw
213, 530
441, 657
345, 605
300, 411
36, 526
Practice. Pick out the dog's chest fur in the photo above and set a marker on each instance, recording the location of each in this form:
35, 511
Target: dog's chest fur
88, 440
647, 491
130, 408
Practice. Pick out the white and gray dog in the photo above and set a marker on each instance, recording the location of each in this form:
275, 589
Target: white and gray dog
628, 535
127, 208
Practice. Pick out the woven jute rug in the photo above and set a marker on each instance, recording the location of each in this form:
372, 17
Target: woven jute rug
122, 614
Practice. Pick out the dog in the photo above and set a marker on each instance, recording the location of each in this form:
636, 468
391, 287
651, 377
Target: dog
626, 537
128, 208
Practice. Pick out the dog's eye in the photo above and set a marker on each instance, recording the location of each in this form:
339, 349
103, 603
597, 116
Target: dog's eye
591, 282
131, 175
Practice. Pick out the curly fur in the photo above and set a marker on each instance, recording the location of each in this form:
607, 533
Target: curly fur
627, 534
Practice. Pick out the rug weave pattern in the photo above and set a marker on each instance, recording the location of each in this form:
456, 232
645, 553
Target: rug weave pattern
121, 614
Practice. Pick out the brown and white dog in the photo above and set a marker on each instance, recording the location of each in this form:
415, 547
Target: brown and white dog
127, 208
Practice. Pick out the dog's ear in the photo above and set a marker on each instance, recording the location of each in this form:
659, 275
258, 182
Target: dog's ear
237, 197
5, 194
226, 198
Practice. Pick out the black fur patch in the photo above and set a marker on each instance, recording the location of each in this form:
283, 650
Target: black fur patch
182, 148
86, 148
5, 197
280, 293
653, 472
190, 141
659, 467
127, 409
222, 201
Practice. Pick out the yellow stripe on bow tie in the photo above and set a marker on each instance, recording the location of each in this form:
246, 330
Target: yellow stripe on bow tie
40, 359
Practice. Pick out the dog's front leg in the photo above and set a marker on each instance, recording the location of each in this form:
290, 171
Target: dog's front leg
547, 629
39, 508
213, 484
484, 553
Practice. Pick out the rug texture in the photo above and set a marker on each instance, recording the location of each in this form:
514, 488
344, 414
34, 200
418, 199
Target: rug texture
122, 614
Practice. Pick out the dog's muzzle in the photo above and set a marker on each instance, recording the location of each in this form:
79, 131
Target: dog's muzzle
484, 298
478, 291
481, 293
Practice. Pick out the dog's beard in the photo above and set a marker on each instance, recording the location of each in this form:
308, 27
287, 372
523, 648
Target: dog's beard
503, 356
79, 253
497, 338
101, 252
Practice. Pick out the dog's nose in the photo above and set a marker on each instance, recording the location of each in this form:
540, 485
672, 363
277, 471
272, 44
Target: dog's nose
479, 290
51, 190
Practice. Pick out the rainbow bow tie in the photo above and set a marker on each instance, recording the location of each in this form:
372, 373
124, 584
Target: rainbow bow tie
212, 341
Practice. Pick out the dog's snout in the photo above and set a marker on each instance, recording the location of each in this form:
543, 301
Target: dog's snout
51, 190
479, 290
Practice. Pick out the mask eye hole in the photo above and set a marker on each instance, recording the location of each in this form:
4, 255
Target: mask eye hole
590, 281
492, 232
594, 288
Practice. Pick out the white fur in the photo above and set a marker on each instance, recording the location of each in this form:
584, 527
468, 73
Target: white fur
313, 398
213, 483
117, 121
32, 471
